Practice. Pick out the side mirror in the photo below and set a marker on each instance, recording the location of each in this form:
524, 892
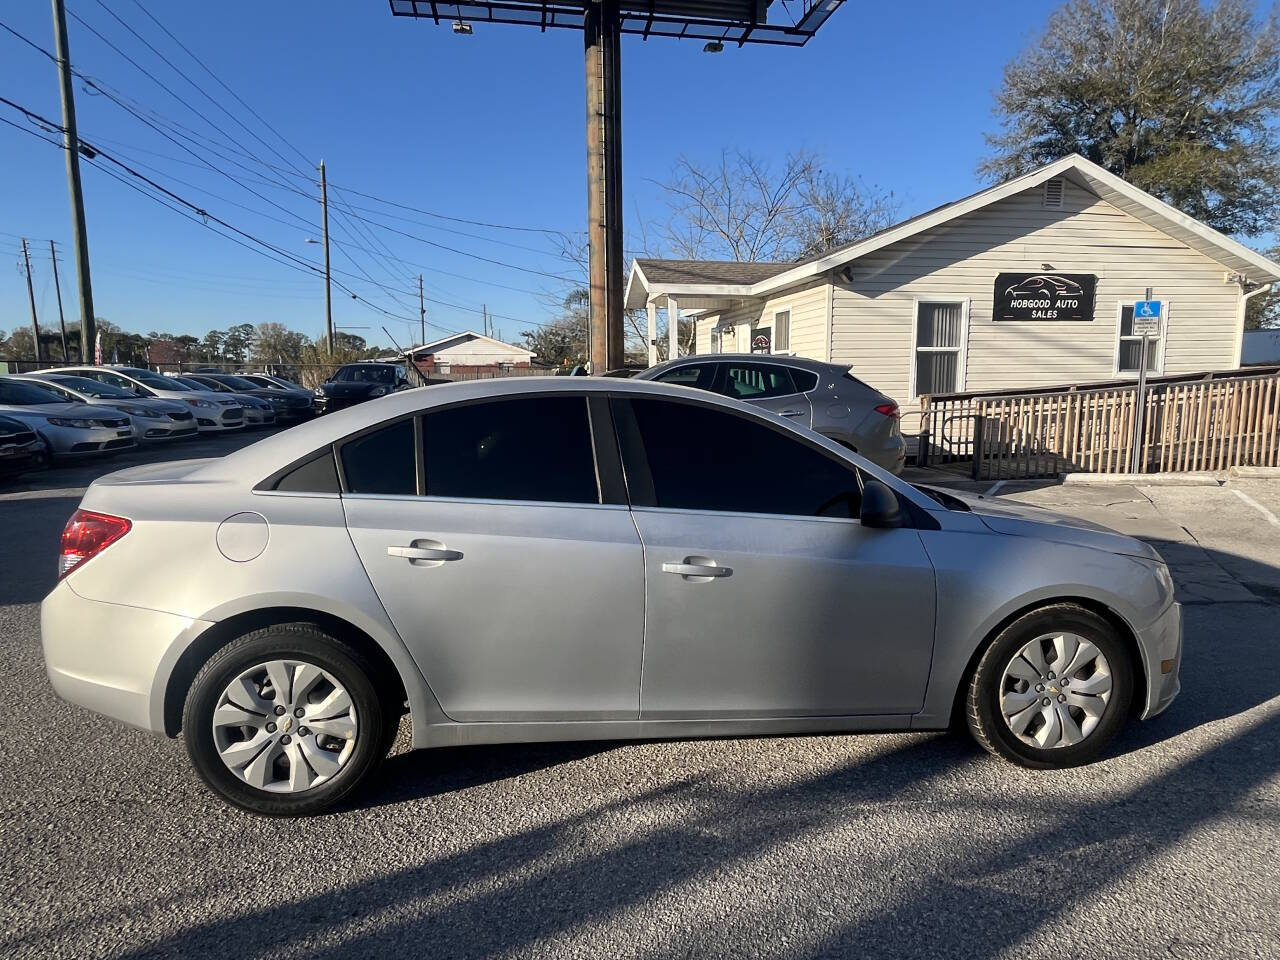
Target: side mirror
880, 508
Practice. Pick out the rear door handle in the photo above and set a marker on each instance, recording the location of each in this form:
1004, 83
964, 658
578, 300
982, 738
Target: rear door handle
424, 553
692, 568
791, 413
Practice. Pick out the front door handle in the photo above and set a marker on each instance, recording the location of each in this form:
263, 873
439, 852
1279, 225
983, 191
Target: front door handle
424, 553
791, 413
696, 568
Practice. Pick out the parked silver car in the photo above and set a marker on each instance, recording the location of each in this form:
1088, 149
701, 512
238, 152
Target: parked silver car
214, 413
825, 397
153, 420
534, 559
68, 429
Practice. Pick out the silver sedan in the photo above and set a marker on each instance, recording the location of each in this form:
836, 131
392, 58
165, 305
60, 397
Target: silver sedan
68, 429
153, 419
551, 559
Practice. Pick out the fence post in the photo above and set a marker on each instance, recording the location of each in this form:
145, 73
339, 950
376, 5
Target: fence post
978, 425
922, 439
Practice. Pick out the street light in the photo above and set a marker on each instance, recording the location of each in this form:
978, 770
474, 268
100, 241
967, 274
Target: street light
462, 28
713, 46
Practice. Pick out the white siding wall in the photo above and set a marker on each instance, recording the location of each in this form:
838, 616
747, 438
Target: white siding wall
808, 306
872, 316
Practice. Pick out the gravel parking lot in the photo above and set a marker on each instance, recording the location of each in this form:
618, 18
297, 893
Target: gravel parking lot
866, 846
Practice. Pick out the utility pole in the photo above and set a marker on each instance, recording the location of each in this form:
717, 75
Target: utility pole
31, 295
71, 143
484, 316
422, 312
328, 294
602, 36
57, 288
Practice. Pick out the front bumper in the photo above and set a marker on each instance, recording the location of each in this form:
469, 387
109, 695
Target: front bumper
218, 420
114, 660
1161, 646
78, 442
163, 428
20, 457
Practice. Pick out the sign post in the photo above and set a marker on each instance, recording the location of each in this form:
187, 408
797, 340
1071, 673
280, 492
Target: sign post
1146, 324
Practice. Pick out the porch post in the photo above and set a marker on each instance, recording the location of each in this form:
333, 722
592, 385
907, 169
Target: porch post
652, 309
673, 328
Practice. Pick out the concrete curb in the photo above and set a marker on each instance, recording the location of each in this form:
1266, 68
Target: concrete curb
1141, 479
1255, 473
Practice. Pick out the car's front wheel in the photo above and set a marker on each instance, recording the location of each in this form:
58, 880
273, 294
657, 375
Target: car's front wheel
285, 721
1052, 689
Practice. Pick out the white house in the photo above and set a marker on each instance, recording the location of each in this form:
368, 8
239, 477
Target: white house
1028, 283
468, 350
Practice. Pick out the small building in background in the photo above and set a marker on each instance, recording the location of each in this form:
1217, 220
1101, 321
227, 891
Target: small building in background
468, 353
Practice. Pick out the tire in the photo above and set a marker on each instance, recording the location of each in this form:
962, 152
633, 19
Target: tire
998, 682
331, 764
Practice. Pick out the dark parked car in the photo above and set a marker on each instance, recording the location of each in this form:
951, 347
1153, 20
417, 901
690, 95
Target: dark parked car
287, 404
20, 449
357, 382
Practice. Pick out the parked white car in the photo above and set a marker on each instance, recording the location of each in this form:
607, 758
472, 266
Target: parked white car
214, 414
153, 419
68, 429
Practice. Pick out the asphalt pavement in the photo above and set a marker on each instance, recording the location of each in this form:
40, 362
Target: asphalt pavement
913, 845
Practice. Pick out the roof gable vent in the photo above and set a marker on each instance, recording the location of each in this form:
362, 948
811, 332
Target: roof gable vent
1053, 194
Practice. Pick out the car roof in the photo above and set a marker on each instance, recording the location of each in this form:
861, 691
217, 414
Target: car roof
805, 363
279, 450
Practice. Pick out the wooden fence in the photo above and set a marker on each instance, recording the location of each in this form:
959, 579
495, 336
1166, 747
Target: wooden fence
1207, 422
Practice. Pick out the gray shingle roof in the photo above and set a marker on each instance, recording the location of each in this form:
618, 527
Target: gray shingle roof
708, 271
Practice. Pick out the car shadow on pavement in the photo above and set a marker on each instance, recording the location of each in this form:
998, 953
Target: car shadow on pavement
420, 774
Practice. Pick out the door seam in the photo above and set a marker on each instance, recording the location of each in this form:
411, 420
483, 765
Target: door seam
644, 607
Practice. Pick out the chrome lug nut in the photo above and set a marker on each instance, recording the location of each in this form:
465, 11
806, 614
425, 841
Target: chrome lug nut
279, 711
271, 728
298, 713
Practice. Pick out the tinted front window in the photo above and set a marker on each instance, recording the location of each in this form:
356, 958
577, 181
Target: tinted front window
531, 448
756, 381
693, 375
706, 459
381, 461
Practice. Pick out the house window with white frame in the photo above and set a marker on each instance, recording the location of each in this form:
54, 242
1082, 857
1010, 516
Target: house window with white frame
715, 340
1129, 347
939, 348
782, 331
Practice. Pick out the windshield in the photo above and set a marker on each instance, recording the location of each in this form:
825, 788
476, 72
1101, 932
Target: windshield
237, 383
205, 384
19, 394
157, 380
370, 374
92, 388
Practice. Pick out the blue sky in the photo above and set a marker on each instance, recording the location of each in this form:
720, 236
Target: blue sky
487, 128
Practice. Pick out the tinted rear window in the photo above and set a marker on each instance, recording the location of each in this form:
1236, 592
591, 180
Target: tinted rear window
382, 461
531, 448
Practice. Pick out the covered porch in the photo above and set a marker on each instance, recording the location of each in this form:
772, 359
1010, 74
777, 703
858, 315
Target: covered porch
696, 289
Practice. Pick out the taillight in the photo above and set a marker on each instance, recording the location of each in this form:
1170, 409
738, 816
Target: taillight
888, 409
87, 534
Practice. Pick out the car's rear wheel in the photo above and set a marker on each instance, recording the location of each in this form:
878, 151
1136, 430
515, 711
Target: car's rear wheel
1052, 689
285, 721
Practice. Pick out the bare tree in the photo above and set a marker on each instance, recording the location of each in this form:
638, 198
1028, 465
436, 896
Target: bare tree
742, 209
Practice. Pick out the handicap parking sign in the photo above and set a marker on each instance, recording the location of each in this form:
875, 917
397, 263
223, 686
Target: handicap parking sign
1146, 318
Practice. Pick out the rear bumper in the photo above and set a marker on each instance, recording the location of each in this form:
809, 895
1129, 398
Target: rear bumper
112, 659
892, 457
1161, 645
